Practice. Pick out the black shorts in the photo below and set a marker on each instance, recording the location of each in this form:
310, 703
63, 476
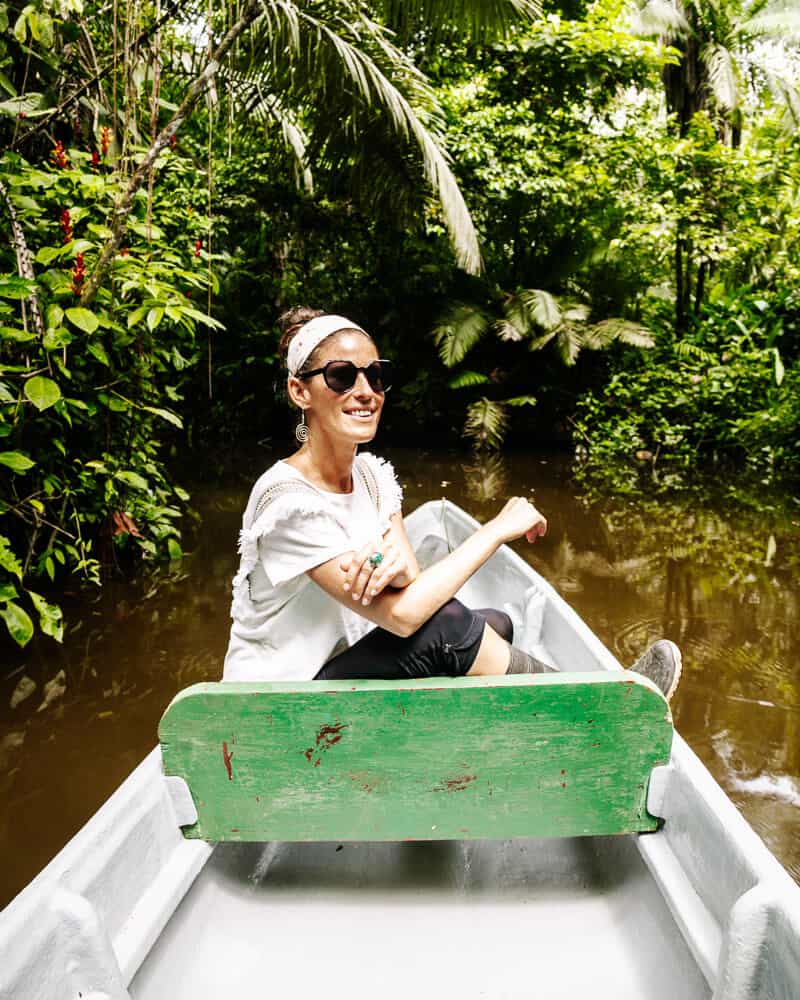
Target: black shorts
445, 646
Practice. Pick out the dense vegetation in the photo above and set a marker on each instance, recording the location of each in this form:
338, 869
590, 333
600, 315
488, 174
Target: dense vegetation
578, 224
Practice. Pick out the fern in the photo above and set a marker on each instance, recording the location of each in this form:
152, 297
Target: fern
462, 328
486, 423
685, 349
466, 379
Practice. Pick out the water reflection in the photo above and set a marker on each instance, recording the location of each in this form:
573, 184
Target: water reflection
74, 721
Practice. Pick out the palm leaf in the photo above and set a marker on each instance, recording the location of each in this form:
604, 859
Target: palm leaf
777, 20
542, 308
341, 67
462, 327
662, 18
515, 323
722, 74
569, 341
685, 349
481, 18
486, 423
601, 335
466, 379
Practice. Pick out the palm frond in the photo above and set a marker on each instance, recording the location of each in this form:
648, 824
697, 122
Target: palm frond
515, 323
723, 78
661, 18
316, 60
788, 96
778, 20
520, 401
486, 423
601, 335
542, 307
268, 107
569, 341
466, 379
458, 332
487, 478
685, 349
481, 18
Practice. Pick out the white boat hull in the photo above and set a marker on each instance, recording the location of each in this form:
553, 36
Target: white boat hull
129, 909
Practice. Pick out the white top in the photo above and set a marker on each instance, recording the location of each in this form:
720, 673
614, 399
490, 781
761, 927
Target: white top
285, 627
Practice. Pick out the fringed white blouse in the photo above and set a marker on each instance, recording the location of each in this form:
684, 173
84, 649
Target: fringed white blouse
285, 627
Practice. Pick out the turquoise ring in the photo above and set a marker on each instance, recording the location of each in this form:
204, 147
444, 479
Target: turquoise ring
375, 559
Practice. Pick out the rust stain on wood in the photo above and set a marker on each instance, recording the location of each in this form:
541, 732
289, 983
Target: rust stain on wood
227, 757
327, 737
456, 784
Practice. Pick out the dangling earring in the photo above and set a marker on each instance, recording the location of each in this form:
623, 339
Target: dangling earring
301, 431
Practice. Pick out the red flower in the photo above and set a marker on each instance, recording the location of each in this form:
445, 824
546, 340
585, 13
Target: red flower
78, 275
173, 141
95, 159
22, 115
105, 139
60, 156
198, 244
123, 251
66, 225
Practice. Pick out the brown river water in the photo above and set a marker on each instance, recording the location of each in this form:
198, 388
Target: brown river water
722, 582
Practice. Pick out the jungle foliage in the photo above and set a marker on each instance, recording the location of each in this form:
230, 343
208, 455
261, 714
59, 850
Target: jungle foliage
575, 223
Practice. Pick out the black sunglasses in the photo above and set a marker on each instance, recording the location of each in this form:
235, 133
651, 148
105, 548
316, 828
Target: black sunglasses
341, 375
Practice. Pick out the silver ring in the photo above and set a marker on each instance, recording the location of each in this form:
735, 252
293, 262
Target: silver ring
375, 559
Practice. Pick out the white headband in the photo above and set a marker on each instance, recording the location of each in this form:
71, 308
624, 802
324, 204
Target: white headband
311, 334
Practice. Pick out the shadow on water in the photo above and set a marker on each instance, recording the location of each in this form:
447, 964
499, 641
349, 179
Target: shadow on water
75, 720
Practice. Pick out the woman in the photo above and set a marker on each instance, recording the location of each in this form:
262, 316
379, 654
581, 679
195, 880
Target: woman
329, 586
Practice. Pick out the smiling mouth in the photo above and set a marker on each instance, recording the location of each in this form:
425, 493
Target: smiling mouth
361, 414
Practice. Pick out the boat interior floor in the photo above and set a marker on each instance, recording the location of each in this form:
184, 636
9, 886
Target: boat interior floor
560, 918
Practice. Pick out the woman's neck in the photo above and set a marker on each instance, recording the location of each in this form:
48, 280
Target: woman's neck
327, 464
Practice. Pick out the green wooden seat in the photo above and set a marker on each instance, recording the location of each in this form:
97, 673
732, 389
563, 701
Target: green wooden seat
543, 756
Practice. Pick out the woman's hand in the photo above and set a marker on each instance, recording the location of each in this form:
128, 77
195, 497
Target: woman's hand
519, 517
363, 581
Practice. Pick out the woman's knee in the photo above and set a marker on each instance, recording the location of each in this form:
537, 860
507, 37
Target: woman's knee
452, 622
500, 622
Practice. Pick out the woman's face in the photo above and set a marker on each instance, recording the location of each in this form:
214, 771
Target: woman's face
353, 415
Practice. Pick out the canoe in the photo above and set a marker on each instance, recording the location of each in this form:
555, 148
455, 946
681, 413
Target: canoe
542, 837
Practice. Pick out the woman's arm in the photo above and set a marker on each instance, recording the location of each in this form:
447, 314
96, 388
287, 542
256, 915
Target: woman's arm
398, 568
403, 611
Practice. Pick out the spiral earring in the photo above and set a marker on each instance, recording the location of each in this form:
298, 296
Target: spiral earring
301, 431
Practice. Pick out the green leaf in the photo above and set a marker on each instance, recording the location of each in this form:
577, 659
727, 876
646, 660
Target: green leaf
83, 319
780, 371
54, 315
54, 340
42, 392
12, 287
154, 317
168, 415
51, 620
466, 379
174, 549
21, 28
16, 461
16, 335
521, 401
97, 350
8, 559
132, 479
18, 623
7, 591
48, 254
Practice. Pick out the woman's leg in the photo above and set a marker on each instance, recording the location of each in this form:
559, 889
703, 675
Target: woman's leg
447, 645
